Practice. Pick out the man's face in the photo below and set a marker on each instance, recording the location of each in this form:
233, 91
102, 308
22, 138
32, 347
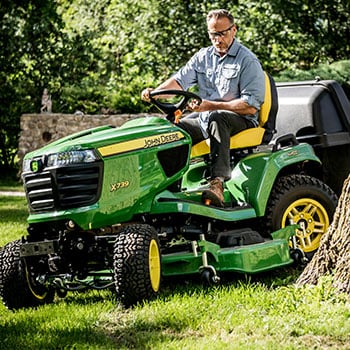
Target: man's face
221, 33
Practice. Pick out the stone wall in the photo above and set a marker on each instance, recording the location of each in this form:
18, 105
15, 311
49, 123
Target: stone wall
38, 130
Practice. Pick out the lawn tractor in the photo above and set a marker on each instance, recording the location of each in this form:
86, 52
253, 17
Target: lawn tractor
121, 208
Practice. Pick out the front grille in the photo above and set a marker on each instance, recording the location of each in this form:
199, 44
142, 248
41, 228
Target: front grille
39, 191
77, 187
64, 187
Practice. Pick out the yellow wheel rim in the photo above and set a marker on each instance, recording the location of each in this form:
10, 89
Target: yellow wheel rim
35, 294
154, 265
313, 220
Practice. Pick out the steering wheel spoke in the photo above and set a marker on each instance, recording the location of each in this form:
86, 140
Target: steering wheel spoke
172, 110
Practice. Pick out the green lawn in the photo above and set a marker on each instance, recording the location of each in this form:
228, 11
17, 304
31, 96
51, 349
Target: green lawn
261, 312
13, 214
10, 184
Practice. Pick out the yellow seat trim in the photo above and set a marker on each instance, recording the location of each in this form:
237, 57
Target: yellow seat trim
200, 148
247, 138
266, 105
244, 139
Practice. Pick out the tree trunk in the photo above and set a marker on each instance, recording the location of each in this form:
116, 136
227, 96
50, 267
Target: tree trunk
333, 256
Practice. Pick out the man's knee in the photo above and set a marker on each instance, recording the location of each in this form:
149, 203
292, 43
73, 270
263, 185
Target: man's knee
215, 116
221, 118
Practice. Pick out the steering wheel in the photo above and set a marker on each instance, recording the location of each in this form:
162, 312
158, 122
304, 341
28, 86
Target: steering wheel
173, 111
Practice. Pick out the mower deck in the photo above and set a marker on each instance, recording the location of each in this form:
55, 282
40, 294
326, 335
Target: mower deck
252, 258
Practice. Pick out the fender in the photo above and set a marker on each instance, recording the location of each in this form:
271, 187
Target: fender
253, 177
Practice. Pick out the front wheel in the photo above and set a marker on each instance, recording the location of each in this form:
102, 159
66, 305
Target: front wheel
137, 264
18, 288
305, 201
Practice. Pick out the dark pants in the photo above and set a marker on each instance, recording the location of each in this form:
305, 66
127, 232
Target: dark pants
222, 125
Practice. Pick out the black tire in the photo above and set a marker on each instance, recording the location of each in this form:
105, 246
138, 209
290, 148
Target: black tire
137, 265
308, 202
17, 289
209, 277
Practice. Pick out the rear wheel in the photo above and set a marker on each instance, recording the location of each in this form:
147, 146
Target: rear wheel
137, 265
18, 288
305, 201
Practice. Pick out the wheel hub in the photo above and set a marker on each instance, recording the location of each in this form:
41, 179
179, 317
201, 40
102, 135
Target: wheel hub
312, 219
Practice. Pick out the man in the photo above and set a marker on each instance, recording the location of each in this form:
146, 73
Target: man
230, 81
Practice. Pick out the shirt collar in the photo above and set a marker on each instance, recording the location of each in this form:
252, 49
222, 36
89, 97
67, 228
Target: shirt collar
232, 51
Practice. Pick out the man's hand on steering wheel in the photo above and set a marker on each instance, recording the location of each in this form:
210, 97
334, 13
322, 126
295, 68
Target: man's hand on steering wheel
194, 105
145, 94
173, 111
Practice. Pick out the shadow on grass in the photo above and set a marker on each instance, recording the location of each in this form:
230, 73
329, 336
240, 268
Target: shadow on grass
31, 334
13, 215
13, 209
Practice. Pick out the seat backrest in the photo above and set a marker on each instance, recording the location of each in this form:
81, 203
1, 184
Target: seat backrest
268, 110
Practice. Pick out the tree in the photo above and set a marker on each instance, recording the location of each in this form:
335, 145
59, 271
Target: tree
295, 34
93, 55
28, 32
333, 256
35, 53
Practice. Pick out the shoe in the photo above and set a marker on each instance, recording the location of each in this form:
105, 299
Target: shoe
215, 194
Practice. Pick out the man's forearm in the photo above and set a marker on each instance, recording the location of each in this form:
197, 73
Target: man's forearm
238, 106
171, 83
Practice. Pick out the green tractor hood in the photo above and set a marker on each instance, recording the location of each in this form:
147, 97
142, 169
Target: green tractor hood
104, 135
105, 175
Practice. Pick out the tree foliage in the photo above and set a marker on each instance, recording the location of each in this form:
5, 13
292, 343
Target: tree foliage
35, 52
95, 56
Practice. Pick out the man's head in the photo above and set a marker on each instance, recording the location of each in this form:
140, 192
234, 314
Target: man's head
221, 29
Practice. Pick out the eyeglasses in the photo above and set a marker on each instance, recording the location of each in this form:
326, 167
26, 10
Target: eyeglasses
220, 34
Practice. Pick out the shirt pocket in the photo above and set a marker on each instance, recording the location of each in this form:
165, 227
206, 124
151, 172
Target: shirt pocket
230, 71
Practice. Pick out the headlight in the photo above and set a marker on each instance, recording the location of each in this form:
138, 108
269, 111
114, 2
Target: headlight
71, 157
26, 165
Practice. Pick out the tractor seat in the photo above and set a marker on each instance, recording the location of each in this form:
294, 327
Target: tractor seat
251, 137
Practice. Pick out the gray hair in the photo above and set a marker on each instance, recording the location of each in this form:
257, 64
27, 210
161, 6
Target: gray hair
221, 13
